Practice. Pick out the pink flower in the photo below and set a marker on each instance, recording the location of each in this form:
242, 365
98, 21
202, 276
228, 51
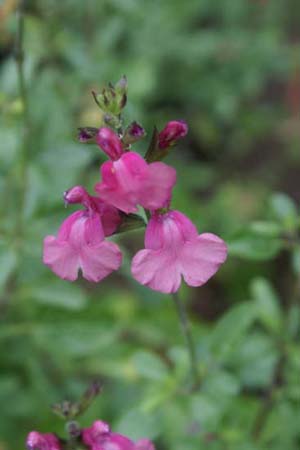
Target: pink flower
99, 437
39, 441
110, 143
110, 216
173, 249
80, 240
174, 130
130, 181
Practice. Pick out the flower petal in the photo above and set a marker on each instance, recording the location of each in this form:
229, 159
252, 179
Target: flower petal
157, 188
99, 261
61, 257
201, 258
157, 270
130, 181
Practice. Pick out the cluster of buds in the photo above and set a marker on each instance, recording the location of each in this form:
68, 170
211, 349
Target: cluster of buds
173, 248
98, 437
112, 98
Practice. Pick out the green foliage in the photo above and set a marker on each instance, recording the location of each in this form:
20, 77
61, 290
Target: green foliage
225, 67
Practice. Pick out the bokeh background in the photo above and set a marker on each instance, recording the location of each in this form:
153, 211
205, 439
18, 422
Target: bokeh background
231, 69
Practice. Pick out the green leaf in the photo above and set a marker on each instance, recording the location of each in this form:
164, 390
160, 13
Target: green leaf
136, 424
8, 262
255, 360
231, 328
149, 366
57, 293
267, 304
285, 210
254, 246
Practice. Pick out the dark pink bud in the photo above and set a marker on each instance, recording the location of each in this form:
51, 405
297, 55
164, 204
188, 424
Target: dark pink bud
110, 143
87, 134
76, 194
136, 130
174, 130
133, 133
39, 441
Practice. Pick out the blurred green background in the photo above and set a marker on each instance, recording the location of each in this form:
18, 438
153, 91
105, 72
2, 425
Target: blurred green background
231, 69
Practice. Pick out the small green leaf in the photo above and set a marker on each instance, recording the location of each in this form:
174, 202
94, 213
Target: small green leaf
149, 366
8, 262
254, 246
136, 424
267, 304
57, 293
285, 210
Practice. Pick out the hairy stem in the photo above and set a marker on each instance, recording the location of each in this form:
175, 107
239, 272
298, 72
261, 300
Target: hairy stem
186, 329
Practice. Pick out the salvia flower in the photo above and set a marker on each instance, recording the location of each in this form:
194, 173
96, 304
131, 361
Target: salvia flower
128, 181
173, 131
100, 437
39, 441
80, 240
173, 249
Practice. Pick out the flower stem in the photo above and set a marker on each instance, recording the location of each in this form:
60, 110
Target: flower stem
186, 329
19, 57
22, 169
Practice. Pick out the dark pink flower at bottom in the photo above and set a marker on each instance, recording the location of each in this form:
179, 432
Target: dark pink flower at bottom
174, 249
39, 441
130, 181
99, 437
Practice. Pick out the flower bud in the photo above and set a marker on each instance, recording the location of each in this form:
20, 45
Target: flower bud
73, 429
109, 143
174, 130
112, 98
87, 134
133, 133
76, 194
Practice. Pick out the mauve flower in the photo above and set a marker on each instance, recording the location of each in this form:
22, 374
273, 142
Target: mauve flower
110, 143
99, 437
174, 130
39, 441
174, 249
80, 241
130, 181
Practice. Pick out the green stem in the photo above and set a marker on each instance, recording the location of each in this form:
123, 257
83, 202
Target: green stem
186, 329
19, 56
22, 169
